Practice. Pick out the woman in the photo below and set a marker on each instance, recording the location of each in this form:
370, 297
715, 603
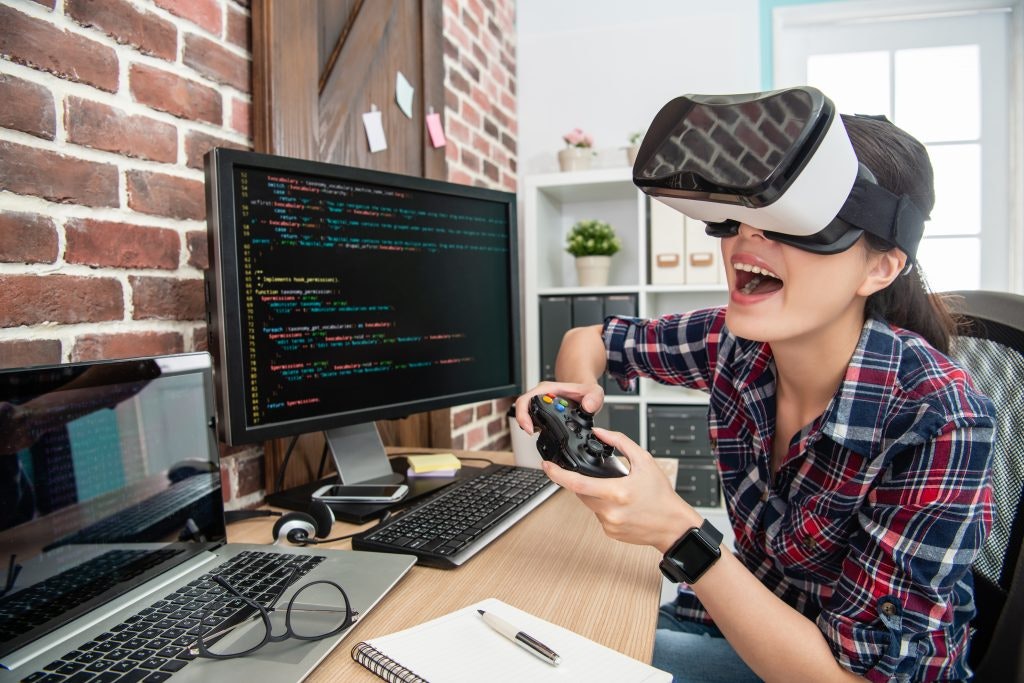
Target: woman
854, 456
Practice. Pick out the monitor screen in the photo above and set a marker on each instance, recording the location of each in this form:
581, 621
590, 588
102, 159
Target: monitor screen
339, 296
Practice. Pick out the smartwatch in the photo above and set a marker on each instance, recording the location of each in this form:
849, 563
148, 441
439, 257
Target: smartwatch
693, 554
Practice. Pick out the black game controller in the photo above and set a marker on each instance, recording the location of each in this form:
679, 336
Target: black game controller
565, 438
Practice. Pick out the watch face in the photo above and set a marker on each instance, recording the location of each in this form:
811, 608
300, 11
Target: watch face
694, 555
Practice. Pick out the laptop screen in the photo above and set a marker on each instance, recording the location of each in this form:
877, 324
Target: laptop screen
109, 475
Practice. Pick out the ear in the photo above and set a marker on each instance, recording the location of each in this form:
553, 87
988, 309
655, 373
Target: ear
883, 268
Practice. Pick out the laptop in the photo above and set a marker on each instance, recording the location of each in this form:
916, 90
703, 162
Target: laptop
111, 508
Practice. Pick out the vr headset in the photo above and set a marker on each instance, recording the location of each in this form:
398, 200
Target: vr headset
779, 161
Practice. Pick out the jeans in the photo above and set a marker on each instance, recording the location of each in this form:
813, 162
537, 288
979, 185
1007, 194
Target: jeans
695, 653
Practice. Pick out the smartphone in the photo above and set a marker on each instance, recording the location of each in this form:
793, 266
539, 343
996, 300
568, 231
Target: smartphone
361, 493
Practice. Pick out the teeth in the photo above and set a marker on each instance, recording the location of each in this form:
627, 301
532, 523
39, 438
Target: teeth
755, 269
750, 286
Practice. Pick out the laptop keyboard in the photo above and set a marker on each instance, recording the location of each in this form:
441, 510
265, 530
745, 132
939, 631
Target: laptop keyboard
154, 643
454, 524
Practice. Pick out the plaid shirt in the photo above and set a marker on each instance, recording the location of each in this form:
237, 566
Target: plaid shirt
878, 509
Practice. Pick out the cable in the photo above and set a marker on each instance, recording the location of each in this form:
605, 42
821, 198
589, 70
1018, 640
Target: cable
383, 518
279, 484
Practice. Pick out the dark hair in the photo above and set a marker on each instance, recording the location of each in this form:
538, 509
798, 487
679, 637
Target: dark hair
901, 165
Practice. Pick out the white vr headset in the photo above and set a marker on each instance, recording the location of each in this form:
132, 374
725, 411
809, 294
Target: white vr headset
779, 161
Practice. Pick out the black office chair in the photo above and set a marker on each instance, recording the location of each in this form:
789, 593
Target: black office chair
991, 347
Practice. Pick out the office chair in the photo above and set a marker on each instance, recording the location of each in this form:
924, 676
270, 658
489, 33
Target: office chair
991, 348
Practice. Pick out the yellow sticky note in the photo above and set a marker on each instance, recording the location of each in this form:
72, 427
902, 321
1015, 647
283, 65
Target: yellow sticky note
433, 462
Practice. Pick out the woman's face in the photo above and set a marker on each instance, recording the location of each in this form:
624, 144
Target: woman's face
779, 293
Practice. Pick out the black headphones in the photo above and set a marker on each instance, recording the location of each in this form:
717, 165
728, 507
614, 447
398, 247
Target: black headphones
304, 528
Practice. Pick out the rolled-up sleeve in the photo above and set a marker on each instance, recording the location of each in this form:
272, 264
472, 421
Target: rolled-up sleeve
907, 571
677, 349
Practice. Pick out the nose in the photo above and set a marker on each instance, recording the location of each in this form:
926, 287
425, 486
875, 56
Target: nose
751, 232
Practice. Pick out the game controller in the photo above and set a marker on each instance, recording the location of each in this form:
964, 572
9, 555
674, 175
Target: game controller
566, 439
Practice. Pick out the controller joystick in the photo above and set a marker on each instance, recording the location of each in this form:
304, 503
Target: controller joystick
566, 438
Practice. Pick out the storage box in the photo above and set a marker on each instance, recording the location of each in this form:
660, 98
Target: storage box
703, 259
678, 431
667, 246
698, 484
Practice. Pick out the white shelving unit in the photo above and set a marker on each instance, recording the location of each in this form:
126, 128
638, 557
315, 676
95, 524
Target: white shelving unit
552, 202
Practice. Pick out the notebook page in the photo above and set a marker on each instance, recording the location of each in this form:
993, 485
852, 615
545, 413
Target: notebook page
461, 647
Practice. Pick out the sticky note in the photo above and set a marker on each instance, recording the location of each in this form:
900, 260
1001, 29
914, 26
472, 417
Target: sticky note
436, 130
374, 124
433, 462
403, 94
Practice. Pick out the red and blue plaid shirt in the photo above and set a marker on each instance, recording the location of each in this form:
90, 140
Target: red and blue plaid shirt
878, 509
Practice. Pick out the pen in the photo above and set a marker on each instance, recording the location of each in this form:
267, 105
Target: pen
522, 639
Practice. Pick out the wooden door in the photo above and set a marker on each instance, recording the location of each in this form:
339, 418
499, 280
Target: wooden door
318, 65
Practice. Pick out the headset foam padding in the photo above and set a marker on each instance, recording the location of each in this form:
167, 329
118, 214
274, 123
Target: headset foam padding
323, 518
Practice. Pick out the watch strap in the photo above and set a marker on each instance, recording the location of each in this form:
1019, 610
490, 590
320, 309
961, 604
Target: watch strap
713, 534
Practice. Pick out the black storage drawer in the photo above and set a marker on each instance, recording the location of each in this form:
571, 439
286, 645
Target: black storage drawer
697, 482
620, 417
678, 431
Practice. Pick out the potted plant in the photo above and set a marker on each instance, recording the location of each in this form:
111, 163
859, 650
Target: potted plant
635, 138
577, 153
593, 243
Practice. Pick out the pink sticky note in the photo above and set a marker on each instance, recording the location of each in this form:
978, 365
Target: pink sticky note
435, 129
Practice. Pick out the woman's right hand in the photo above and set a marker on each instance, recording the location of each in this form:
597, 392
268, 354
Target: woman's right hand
590, 396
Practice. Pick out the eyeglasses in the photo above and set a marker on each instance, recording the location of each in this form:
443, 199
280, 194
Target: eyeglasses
317, 610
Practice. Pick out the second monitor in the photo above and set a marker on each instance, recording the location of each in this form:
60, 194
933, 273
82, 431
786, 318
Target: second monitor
338, 296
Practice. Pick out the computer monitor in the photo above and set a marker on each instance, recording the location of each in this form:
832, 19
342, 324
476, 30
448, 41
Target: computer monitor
338, 296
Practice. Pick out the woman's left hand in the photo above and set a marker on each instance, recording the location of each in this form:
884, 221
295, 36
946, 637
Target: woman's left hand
641, 508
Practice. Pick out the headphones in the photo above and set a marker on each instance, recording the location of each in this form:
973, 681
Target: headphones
300, 528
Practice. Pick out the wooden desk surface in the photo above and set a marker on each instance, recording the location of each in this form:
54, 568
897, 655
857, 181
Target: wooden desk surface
556, 563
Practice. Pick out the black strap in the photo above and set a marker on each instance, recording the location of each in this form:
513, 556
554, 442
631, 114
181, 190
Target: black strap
895, 219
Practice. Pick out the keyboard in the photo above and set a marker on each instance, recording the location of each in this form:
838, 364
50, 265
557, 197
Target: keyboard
456, 523
153, 518
153, 644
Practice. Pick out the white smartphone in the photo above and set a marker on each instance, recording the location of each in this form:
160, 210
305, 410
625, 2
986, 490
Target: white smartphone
361, 493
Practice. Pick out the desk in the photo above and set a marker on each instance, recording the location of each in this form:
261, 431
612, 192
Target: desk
556, 563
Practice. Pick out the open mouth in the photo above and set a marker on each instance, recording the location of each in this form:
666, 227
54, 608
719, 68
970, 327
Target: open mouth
756, 280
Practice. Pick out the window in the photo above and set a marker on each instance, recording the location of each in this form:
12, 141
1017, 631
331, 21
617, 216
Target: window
942, 77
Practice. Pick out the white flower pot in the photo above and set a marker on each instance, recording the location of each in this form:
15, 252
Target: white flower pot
592, 271
574, 158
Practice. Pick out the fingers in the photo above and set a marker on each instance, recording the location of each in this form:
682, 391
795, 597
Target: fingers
590, 396
621, 443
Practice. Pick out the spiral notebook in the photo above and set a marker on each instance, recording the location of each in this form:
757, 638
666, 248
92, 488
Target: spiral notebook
459, 646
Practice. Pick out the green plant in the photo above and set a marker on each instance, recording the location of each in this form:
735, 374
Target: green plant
592, 238
635, 137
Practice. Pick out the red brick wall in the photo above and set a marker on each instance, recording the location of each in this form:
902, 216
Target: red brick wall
108, 108
480, 122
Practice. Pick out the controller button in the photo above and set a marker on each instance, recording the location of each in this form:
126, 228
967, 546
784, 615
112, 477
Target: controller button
547, 398
563, 402
560, 408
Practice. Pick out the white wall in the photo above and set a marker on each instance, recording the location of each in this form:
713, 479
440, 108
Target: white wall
608, 66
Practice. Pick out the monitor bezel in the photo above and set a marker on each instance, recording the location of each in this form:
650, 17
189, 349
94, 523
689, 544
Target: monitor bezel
223, 297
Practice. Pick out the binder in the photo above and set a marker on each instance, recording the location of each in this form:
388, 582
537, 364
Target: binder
555, 321
587, 310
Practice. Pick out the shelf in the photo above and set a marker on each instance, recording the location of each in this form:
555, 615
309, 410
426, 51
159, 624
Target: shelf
576, 291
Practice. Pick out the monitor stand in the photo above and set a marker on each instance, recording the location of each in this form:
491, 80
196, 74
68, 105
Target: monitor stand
359, 455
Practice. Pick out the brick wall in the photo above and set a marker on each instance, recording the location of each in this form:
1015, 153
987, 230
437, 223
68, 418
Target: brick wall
480, 121
108, 108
